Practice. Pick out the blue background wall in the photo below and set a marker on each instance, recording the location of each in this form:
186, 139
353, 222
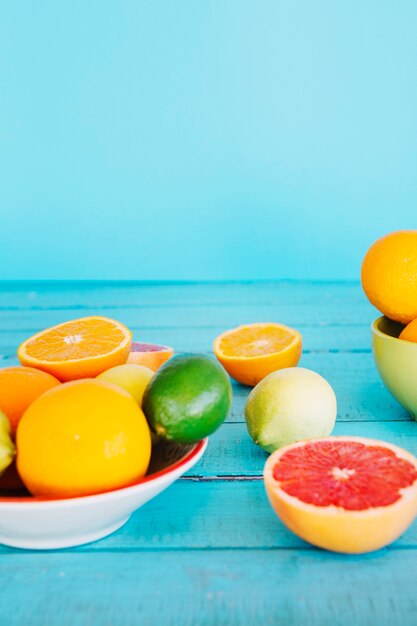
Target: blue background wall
207, 139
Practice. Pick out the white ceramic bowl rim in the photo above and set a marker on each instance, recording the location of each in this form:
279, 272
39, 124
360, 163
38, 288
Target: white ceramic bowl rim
197, 451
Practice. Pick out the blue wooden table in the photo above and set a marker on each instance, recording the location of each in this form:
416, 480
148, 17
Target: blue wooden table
210, 551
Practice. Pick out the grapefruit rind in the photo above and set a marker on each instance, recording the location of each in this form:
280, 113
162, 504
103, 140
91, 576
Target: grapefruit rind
153, 357
335, 528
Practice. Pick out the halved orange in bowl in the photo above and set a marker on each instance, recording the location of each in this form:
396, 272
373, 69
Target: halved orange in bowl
81, 348
251, 352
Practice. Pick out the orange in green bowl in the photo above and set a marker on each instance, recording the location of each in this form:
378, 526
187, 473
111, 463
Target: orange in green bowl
396, 361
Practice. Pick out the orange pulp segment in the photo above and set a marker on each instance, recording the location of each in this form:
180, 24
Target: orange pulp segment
251, 352
80, 348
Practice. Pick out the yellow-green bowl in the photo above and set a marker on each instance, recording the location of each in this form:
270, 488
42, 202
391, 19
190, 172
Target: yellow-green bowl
396, 361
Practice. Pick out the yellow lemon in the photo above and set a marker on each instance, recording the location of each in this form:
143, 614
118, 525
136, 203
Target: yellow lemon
130, 377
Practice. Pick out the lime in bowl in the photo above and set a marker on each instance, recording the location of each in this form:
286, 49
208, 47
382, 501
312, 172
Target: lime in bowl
396, 361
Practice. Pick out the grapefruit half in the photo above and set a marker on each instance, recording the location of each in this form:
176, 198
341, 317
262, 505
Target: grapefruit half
346, 494
151, 355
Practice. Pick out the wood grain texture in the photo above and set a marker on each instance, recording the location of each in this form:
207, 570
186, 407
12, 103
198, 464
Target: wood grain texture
201, 315
231, 451
51, 295
209, 515
185, 338
360, 394
189, 588
210, 551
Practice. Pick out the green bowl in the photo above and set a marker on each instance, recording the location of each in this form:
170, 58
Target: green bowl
396, 361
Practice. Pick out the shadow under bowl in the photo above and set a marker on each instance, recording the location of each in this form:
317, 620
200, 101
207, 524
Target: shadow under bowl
396, 361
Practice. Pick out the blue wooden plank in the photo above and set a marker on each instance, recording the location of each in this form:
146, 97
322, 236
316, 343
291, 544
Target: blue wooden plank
185, 339
209, 588
210, 550
231, 451
360, 393
200, 316
208, 515
231, 512
16, 295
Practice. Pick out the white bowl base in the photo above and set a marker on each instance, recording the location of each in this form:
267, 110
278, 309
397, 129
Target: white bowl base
56, 543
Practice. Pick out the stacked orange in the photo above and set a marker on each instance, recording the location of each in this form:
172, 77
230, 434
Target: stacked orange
75, 435
389, 279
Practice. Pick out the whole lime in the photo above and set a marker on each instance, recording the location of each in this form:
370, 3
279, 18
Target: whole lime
290, 405
188, 398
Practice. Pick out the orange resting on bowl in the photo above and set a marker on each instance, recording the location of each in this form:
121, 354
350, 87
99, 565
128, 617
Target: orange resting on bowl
80, 438
410, 332
150, 355
81, 348
389, 275
249, 353
19, 387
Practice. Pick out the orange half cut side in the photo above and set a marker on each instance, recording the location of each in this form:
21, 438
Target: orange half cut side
251, 352
80, 348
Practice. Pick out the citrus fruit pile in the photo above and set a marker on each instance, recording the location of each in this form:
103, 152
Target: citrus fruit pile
340, 493
82, 412
389, 279
71, 415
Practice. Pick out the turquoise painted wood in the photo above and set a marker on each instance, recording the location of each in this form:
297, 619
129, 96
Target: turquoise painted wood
185, 338
361, 395
209, 587
208, 316
210, 551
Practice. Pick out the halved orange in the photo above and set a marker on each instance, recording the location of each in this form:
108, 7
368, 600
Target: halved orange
251, 352
81, 348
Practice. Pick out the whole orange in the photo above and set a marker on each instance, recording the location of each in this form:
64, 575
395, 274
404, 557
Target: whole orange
19, 387
83, 437
409, 333
389, 275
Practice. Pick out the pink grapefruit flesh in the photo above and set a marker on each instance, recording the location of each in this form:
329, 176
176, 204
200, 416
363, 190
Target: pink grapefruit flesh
150, 355
345, 494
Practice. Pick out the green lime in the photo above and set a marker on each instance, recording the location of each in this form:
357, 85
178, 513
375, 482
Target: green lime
290, 405
188, 398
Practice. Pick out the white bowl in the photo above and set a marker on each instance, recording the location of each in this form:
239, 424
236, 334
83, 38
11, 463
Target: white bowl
43, 524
